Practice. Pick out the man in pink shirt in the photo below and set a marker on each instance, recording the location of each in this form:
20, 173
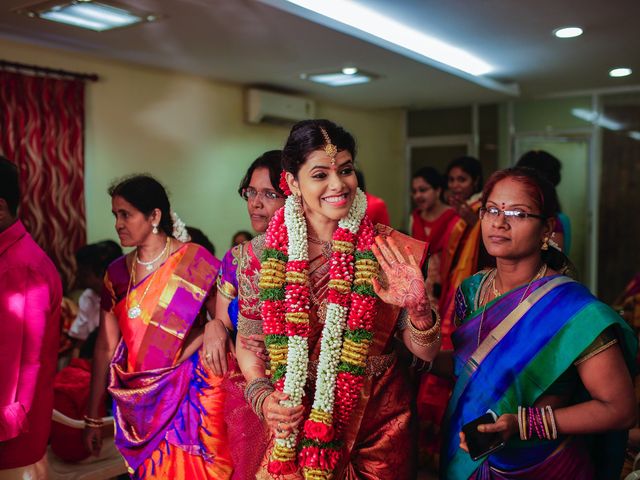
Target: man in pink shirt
30, 299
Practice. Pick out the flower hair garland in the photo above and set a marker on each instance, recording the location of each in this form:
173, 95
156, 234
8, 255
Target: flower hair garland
284, 186
346, 334
179, 228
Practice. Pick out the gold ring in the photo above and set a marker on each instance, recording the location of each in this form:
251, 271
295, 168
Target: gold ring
208, 356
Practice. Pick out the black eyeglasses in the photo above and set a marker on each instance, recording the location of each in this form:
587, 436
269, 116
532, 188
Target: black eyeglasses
251, 193
516, 215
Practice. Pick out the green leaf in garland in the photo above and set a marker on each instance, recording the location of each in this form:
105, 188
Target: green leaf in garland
273, 253
271, 294
278, 373
275, 340
358, 335
332, 445
364, 290
350, 368
365, 255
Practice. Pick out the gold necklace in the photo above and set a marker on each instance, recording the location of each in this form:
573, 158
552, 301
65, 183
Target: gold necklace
541, 273
135, 311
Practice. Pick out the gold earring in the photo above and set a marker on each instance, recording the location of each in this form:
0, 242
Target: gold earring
545, 244
155, 229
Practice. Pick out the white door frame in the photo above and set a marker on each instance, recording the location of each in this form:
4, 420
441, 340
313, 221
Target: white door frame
588, 136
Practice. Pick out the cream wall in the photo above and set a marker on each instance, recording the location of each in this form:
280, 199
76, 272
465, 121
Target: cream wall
189, 133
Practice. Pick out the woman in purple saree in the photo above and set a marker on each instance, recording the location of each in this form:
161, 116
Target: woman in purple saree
168, 407
538, 349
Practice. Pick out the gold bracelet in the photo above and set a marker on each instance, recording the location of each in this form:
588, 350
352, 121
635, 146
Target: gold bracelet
425, 338
93, 422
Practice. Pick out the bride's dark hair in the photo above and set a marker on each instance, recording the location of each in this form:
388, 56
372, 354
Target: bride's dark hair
306, 137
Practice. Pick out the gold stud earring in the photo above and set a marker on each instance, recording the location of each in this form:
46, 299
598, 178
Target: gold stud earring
545, 244
155, 229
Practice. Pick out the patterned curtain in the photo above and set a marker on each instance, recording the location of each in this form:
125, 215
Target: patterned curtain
42, 132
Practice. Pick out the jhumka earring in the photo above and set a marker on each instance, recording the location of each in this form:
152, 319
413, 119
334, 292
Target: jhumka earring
545, 244
330, 149
155, 229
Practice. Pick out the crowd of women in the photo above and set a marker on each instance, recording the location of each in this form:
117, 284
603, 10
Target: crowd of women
285, 359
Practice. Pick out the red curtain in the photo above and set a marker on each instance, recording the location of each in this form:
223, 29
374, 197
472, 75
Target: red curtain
42, 132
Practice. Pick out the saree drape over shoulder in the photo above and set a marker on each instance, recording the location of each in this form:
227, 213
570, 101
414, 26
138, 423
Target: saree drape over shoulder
169, 417
517, 348
378, 444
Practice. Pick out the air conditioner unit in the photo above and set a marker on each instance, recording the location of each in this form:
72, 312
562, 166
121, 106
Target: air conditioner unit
270, 107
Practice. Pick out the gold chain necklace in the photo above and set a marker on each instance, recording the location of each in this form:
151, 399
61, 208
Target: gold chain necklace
135, 311
541, 273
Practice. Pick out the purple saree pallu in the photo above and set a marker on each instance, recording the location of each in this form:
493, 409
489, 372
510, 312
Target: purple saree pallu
154, 406
570, 462
156, 399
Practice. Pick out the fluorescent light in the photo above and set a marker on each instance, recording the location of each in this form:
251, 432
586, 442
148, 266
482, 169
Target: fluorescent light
620, 72
65, 18
97, 16
567, 32
349, 70
594, 117
369, 21
635, 135
338, 79
103, 13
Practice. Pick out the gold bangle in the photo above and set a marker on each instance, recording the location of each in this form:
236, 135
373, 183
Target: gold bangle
93, 422
425, 338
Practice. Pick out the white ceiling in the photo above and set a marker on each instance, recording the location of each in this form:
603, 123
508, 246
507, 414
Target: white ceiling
253, 43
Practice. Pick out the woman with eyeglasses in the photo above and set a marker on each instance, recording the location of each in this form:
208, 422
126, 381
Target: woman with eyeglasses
260, 189
536, 348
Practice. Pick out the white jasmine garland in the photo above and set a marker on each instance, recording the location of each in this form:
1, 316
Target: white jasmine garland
330, 348
296, 377
333, 330
358, 208
179, 228
296, 229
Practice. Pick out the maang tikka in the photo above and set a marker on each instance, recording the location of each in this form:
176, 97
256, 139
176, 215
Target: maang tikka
329, 148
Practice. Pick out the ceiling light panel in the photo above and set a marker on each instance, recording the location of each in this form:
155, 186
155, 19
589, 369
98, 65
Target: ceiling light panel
96, 16
338, 79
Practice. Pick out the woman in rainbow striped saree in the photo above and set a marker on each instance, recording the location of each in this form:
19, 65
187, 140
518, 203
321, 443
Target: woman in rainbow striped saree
538, 349
168, 406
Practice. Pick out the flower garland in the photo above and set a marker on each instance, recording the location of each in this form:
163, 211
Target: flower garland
346, 335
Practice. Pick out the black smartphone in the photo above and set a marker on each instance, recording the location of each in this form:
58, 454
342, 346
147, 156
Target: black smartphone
480, 443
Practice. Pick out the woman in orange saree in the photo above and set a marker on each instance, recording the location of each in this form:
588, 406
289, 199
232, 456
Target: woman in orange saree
167, 405
332, 395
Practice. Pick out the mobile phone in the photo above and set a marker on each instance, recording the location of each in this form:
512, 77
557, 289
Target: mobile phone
481, 443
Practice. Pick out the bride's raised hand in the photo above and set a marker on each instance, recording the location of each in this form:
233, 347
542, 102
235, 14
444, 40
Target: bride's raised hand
405, 284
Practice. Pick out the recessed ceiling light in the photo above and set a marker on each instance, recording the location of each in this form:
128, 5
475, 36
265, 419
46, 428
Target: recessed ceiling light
96, 16
620, 72
381, 26
567, 32
339, 79
349, 70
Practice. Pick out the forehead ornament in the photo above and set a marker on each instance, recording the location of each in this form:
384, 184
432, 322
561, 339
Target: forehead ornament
330, 149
